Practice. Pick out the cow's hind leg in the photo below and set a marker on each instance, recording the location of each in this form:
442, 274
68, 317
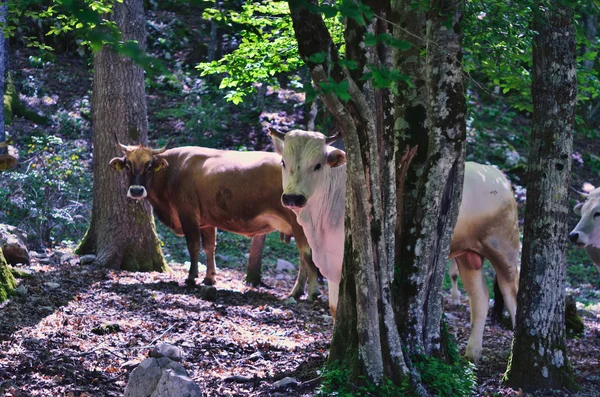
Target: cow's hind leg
453, 272
209, 243
508, 282
479, 303
192, 238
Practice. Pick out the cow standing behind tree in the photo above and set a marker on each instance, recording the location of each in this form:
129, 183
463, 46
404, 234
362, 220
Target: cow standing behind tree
195, 190
314, 179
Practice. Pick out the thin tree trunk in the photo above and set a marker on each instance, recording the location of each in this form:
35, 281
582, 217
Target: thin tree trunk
122, 232
539, 359
7, 281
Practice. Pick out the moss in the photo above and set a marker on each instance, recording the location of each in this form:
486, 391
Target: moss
574, 323
14, 107
7, 281
20, 273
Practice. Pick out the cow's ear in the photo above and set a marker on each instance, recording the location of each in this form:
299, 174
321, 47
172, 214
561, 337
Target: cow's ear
577, 208
277, 138
7, 162
159, 164
118, 163
336, 158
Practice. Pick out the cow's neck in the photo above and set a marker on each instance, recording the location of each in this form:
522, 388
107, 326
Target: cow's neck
323, 223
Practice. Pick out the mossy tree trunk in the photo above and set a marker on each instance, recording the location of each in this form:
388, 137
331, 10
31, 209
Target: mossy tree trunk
539, 357
378, 127
122, 232
7, 280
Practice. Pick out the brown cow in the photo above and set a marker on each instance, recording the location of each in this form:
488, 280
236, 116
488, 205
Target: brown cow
195, 190
6, 160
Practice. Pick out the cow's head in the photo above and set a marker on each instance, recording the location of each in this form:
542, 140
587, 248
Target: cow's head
140, 163
306, 160
587, 231
6, 160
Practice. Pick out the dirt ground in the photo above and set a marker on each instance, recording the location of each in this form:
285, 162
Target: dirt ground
58, 336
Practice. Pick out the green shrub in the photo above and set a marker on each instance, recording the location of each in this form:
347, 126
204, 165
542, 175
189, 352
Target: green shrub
48, 195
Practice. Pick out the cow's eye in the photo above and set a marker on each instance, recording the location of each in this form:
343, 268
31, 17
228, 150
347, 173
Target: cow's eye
317, 167
282, 164
596, 214
149, 167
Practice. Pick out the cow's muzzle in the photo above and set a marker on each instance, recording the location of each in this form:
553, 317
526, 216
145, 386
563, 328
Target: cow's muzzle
574, 237
136, 192
293, 201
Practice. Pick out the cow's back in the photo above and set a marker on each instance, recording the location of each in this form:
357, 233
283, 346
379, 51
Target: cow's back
488, 212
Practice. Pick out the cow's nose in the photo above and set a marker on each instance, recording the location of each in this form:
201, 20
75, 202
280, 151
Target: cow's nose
137, 192
573, 236
293, 200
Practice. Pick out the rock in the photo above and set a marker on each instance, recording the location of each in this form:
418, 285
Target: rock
208, 293
223, 258
52, 285
131, 364
289, 301
167, 350
21, 290
283, 265
87, 259
144, 379
285, 382
44, 261
12, 242
255, 356
327, 319
172, 384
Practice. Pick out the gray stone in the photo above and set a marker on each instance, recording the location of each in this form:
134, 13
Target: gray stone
283, 265
285, 382
131, 364
167, 350
87, 259
144, 379
208, 293
12, 242
44, 261
289, 301
52, 284
21, 290
172, 384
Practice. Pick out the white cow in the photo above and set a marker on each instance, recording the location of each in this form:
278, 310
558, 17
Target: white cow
587, 232
314, 176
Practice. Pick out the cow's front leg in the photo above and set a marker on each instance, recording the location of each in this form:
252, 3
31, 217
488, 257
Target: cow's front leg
209, 243
479, 298
334, 293
192, 238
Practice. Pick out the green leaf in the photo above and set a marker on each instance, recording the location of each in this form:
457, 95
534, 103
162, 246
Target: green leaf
317, 57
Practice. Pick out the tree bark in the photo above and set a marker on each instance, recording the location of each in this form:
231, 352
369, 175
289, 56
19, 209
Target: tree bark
7, 281
122, 232
539, 359
368, 332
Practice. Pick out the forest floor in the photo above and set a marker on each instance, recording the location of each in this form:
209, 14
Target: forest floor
78, 331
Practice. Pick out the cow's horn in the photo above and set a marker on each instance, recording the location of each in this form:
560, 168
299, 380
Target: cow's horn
162, 149
124, 148
276, 133
582, 194
329, 140
5, 143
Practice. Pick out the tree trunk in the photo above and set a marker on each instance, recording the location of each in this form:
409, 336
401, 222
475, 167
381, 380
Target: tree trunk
539, 359
367, 335
7, 281
122, 232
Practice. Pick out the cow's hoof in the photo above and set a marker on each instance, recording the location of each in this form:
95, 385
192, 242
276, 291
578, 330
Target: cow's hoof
473, 354
190, 283
315, 296
208, 281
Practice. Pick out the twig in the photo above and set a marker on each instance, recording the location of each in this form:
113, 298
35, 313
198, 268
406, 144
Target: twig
161, 335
